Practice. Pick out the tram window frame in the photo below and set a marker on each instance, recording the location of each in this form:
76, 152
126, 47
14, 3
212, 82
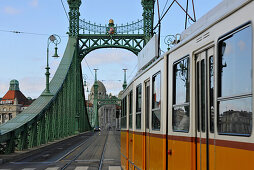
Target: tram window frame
183, 105
234, 96
154, 108
124, 111
138, 109
130, 109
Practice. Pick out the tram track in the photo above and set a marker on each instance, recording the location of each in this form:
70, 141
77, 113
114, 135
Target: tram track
87, 143
102, 155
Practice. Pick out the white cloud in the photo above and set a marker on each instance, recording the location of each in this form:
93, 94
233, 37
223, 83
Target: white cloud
34, 3
32, 86
4, 86
11, 10
109, 57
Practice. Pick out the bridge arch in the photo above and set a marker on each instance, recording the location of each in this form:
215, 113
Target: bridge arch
63, 113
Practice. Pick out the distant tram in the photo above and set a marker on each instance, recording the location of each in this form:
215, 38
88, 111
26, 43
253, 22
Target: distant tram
192, 108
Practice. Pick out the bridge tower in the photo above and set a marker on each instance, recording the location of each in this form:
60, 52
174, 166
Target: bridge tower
64, 113
90, 37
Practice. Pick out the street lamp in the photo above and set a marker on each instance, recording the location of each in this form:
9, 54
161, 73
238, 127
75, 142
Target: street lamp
55, 39
124, 81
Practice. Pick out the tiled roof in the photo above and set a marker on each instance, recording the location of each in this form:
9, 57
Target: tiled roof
12, 94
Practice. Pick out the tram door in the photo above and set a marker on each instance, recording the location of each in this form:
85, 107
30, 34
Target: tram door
147, 111
204, 109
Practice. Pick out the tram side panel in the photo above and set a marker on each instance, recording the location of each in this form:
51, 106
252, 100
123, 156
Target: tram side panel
234, 141
228, 125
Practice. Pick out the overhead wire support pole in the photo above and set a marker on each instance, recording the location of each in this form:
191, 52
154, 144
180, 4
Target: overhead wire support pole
194, 10
164, 14
159, 34
187, 4
194, 20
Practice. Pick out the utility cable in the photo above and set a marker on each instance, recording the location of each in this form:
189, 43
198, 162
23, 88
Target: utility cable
164, 7
29, 33
132, 72
89, 67
65, 10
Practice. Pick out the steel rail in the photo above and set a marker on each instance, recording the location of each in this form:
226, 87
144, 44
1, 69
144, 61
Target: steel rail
69, 163
75, 148
102, 155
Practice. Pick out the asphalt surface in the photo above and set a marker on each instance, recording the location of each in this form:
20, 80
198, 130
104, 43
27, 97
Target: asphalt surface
88, 151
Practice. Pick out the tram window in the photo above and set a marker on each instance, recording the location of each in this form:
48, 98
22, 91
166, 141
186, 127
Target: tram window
181, 116
138, 106
235, 63
156, 102
211, 87
124, 109
130, 109
235, 83
235, 116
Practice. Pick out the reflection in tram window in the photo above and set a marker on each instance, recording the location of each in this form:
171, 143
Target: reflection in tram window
203, 95
123, 117
211, 87
138, 106
235, 63
181, 117
156, 102
235, 116
235, 75
130, 109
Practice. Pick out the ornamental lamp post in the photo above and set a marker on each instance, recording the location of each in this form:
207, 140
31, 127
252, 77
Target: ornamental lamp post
124, 82
55, 39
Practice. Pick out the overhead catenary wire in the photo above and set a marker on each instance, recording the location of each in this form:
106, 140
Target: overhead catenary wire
164, 7
65, 10
175, 1
132, 72
89, 67
29, 33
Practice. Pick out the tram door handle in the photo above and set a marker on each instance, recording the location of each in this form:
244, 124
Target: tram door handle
170, 152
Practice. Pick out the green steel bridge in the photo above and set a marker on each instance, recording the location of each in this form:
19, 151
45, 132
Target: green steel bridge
63, 113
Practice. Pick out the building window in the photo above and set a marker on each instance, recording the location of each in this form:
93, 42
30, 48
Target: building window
235, 83
156, 102
130, 109
123, 117
138, 106
181, 95
10, 116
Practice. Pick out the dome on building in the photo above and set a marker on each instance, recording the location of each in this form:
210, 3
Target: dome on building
102, 92
14, 85
101, 87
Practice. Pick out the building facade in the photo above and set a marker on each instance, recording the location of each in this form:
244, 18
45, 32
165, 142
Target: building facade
13, 102
108, 114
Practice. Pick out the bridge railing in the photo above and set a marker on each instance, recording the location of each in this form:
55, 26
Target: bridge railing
51, 117
86, 27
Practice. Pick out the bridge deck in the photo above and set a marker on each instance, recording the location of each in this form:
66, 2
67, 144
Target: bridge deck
100, 150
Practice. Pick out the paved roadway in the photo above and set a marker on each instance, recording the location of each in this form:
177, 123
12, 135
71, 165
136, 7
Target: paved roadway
88, 151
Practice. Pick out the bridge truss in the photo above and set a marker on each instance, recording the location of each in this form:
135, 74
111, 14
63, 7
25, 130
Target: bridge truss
64, 113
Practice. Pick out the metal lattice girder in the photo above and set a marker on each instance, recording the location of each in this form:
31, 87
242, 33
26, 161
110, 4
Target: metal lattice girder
51, 117
86, 27
90, 42
103, 102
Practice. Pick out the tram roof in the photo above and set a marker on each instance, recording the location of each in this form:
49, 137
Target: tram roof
216, 14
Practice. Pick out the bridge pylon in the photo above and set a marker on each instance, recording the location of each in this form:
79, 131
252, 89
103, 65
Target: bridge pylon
64, 113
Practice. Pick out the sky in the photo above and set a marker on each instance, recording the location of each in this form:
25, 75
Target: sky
23, 55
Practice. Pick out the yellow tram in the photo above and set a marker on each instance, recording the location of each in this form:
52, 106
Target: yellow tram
192, 108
